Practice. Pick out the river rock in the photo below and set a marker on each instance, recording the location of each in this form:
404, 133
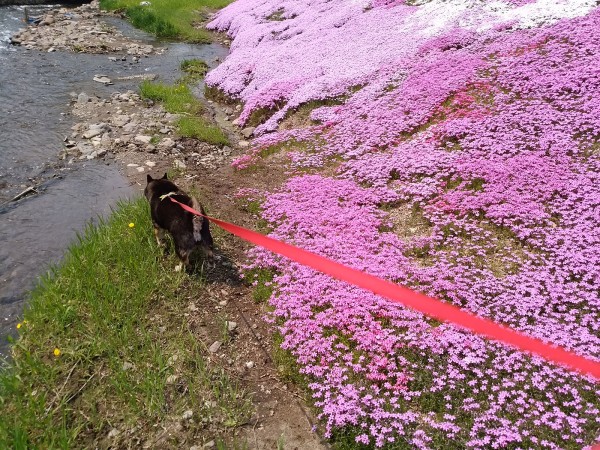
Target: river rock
247, 132
102, 79
215, 346
84, 148
83, 98
166, 144
47, 20
142, 139
92, 132
143, 76
106, 139
121, 120
130, 127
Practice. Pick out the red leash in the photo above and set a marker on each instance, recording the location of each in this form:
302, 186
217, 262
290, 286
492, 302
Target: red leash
420, 302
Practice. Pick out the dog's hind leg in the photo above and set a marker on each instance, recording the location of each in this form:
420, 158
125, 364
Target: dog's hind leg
201, 230
159, 234
197, 221
184, 255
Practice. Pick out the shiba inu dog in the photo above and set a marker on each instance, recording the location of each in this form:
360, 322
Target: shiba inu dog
188, 230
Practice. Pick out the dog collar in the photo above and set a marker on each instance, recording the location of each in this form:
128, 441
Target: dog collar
162, 197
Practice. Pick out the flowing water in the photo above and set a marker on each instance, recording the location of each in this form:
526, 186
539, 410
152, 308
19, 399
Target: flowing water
35, 90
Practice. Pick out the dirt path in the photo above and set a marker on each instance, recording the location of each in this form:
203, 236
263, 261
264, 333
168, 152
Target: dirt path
282, 415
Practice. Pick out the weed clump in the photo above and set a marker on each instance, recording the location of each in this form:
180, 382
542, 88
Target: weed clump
178, 99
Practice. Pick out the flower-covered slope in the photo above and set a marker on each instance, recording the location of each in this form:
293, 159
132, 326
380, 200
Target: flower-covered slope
469, 141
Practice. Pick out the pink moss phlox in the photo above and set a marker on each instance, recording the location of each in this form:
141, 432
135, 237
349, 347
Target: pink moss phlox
469, 169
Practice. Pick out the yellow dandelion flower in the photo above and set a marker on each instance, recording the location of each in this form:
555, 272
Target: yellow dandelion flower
19, 325
56, 352
131, 225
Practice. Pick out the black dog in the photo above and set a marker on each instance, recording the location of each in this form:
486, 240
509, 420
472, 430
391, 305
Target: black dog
188, 230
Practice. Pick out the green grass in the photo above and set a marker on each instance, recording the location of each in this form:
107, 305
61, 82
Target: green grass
262, 280
194, 70
171, 19
113, 309
199, 128
178, 99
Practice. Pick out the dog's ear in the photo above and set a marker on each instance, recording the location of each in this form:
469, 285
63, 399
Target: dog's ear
165, 176
149, 178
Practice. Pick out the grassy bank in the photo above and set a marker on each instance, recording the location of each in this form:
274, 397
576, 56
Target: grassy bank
178, 99
172, 19
105, 357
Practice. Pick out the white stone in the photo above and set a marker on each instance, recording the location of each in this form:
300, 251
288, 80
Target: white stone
166, 143
247, 132
92, 133
85, 148
142, 139
179, 164
102, 79
121, 120
214, 348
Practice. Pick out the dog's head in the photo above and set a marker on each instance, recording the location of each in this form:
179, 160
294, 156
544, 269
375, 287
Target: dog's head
150, 184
